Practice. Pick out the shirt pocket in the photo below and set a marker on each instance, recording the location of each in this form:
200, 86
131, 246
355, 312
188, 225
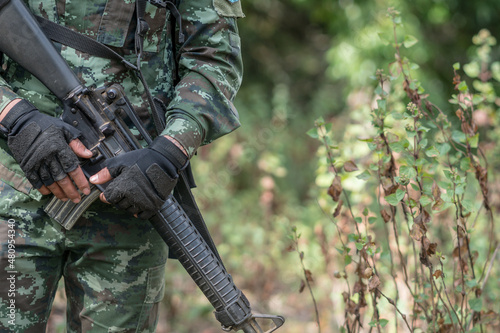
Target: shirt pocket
115, 22
117, 26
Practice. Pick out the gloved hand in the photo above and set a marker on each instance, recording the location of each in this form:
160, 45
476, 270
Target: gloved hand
44, 148
143, 178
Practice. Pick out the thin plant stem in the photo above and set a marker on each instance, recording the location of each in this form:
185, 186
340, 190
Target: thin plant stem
306, 277
400, 313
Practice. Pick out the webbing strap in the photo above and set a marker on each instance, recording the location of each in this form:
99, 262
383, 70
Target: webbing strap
140, 31
78, 41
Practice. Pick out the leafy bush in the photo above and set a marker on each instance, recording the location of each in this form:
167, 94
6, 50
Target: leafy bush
416, 227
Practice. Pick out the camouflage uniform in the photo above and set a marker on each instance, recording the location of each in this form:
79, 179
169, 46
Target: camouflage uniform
113, 264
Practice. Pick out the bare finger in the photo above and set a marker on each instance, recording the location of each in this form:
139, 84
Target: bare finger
103, 176
80, 180
103, 198
69, 189
79, 149
44, 190
57, 191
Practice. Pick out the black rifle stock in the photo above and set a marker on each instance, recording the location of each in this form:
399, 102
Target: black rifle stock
94, 113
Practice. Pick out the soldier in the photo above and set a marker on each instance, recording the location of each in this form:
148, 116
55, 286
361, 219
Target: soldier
113, 264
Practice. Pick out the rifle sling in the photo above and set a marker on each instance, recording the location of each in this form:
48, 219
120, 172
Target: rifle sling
78, 41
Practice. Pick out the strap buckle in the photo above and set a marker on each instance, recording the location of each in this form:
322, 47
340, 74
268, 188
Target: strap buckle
143, 27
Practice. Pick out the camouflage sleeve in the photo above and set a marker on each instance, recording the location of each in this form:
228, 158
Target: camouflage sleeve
6, 94
210, 70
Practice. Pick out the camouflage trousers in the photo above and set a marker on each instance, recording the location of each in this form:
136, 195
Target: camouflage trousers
113, 267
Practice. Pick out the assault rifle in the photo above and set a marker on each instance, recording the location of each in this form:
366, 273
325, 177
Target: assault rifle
95, 112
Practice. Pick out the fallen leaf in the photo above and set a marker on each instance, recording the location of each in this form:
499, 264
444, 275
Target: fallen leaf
358, 287
432, 249
309, 275
426, 217
436, 191
460, 252
386, 216
423, 218
438, 204
351, 307
391, 189
335, 190
482, 177
467, 129
302, 286
350, 166
429, 247
424, 259
374, 283
338, 208
416, 232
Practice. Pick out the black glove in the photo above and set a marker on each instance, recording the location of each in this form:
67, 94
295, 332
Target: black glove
144, 178
39, 144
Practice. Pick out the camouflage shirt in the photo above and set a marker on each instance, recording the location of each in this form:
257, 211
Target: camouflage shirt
198, 95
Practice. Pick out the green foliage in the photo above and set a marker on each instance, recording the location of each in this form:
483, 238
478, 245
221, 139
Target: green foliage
310, 59
423, 174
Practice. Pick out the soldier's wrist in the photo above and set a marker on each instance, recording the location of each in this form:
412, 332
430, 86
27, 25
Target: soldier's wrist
8, 107
177, 144
14, 113
185, 132
168, 149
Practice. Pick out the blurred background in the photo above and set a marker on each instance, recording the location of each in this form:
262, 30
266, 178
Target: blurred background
306, 59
